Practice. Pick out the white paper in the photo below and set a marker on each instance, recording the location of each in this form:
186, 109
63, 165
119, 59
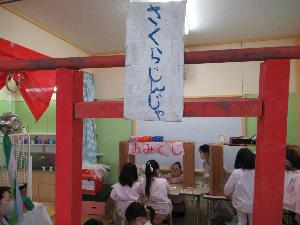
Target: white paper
154, 61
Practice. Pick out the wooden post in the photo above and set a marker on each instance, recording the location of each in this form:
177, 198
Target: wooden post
189, 164
68, 148
123, 154
216, 170
271, 142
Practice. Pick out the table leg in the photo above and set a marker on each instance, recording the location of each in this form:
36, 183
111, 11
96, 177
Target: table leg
208, 211
197, 209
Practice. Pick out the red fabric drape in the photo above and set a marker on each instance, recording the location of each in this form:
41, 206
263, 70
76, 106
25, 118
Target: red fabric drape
37, 86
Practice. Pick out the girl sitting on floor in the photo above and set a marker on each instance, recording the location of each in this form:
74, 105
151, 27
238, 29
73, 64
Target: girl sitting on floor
240, 185
127, 190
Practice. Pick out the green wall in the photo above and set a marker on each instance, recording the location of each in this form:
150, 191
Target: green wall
46, 123
4, 106
251, 123
109, 133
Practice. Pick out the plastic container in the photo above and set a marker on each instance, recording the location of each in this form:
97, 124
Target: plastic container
157, 138
144, 138
37, 140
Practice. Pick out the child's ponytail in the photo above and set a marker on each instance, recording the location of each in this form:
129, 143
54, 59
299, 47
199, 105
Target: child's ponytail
150, 172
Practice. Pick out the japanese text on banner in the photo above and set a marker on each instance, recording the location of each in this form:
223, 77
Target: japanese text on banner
161, 148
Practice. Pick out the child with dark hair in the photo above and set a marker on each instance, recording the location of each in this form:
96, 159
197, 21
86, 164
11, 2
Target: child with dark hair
176, 177
127, 190
136, 214
6, 205
204, 155
176, 174
93, 222
291, 199
156, 189
241, 185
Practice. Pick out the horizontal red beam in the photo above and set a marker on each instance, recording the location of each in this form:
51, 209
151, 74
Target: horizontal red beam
204, 107
193, 57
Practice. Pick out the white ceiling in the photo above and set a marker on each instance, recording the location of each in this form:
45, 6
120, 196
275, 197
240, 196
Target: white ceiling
98, 26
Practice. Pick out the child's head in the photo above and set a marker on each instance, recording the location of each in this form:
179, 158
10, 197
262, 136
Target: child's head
128, 174
4, 194
6, 203
135, 214
152, 170
93, 222
204, 151
292, 159
176, 169
245, 159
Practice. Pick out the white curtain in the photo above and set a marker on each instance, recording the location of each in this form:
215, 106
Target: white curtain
89, 149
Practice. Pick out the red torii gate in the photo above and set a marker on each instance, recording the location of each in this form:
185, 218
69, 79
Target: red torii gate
270, 107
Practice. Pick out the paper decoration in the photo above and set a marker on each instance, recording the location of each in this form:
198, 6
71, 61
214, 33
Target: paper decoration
36, 87
154, 61
162, 148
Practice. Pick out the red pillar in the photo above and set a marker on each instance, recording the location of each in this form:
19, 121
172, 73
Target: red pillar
271, 142
68, 148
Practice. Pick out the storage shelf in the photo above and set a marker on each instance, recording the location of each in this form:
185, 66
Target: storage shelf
239, 144
42, 144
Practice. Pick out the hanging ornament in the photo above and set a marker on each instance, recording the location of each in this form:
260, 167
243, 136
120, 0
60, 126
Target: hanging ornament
10, 123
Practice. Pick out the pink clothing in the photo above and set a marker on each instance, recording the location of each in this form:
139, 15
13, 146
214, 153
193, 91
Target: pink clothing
174, 180
148, 223
205, 168
241, 186
158, 198
291, 199
124, 195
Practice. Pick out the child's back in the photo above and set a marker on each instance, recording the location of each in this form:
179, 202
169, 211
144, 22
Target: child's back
124, 195
127, 190
241, 186
158, 197
156, 189
291, 200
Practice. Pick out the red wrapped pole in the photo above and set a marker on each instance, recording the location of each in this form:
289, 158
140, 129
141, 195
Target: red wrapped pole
194, 57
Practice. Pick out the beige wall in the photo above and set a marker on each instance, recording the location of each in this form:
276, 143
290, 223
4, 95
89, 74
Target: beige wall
23, 32
205, 79
200, 80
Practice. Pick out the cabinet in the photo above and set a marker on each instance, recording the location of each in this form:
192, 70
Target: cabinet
43, 186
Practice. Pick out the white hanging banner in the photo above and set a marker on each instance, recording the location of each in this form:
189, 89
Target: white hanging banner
154, 61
